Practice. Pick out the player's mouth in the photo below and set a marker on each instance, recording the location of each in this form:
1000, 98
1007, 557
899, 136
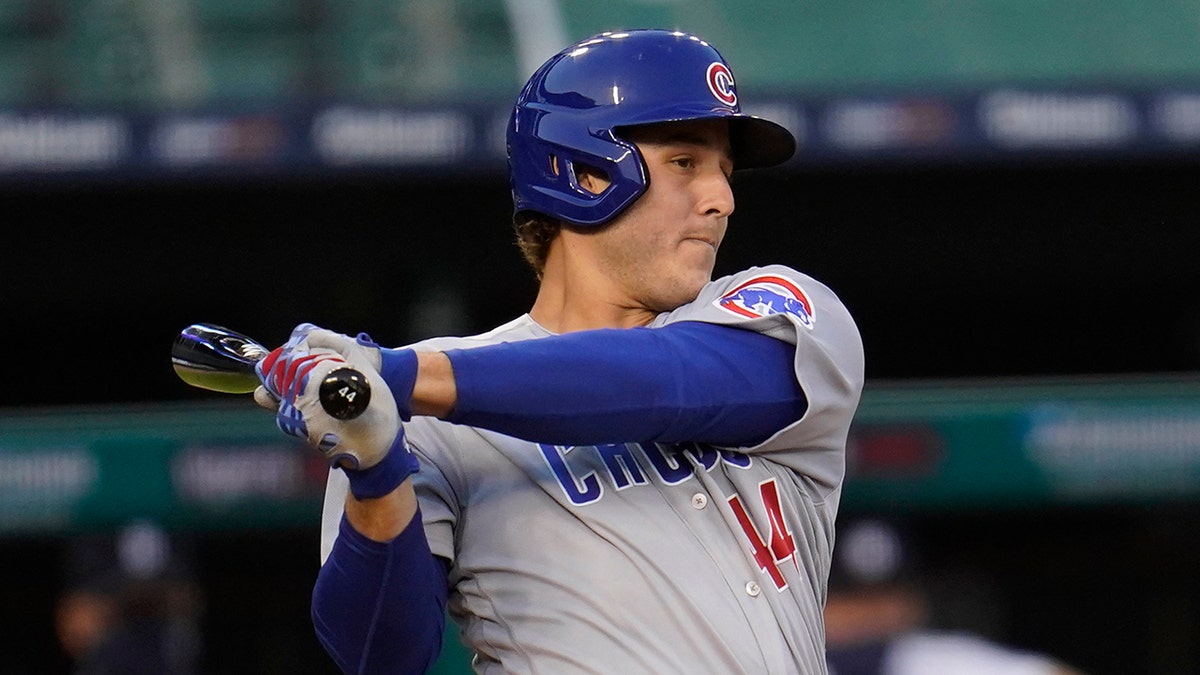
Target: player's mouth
704, 239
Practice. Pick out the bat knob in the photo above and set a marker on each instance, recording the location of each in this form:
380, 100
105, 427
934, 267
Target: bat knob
345, 393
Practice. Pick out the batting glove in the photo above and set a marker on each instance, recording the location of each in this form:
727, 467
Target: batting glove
370, 448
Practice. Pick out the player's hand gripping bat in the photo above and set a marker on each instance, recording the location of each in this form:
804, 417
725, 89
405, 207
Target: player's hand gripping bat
211, 357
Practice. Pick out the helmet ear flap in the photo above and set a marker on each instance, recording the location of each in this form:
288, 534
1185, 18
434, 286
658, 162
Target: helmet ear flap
545, 168
584, 178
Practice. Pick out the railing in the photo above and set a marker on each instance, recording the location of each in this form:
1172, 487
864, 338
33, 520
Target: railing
913, 447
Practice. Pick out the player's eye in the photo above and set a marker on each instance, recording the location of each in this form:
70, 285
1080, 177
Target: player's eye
684, 162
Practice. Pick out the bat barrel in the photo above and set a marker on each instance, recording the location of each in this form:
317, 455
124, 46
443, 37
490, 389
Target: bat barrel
215, 358
212, 357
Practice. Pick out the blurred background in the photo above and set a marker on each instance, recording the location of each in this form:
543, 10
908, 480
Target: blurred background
1004, 192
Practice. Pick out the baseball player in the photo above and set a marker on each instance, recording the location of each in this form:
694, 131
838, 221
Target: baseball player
641, 474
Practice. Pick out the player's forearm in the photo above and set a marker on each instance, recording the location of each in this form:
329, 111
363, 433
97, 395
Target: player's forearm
421, 382
379, 607
435, 392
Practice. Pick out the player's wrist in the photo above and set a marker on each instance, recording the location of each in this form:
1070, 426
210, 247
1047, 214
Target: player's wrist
382, 478
398, 367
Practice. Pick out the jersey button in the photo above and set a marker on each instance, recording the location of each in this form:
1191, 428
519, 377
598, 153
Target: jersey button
699, 501
752, 589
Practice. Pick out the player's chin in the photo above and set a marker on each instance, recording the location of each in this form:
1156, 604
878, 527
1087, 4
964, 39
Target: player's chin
684, 289
696, 259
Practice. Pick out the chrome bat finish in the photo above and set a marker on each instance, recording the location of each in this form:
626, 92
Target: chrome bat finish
212, 357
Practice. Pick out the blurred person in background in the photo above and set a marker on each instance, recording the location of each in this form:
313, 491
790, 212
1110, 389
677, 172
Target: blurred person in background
130, 606
878, 610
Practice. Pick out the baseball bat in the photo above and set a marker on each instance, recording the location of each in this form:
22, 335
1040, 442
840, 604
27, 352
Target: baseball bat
211, 357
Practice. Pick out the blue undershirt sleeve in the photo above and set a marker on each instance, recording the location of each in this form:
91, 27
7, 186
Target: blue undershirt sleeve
381, 607
687, 381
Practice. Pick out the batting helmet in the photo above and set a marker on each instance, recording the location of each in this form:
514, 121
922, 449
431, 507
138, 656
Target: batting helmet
572, 110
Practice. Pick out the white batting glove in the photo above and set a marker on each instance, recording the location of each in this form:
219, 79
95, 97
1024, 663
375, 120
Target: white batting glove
306, 336
370, 447
358, 351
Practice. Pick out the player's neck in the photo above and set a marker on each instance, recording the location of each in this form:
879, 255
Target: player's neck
574, 297
557, 314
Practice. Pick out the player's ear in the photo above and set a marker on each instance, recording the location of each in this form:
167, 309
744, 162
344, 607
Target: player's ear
591, 179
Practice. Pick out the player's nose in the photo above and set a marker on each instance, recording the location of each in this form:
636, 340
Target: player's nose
716, 195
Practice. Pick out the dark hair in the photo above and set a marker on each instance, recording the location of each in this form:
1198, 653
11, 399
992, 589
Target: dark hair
534, 233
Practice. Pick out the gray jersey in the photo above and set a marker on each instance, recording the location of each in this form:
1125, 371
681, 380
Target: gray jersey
649, 558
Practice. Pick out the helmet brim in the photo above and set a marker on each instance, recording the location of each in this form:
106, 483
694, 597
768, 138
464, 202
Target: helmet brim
759, 143
756, 142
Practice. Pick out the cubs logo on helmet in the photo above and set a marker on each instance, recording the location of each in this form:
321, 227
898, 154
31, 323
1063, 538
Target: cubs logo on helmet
767, 295
720, 83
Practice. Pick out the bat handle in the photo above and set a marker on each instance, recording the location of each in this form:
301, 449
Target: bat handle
345, 393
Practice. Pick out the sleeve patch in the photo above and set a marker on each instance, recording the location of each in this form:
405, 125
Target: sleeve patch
765, 295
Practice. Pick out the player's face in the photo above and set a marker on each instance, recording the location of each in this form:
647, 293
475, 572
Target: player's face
662, 250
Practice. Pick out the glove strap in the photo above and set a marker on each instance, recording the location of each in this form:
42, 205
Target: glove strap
379, 480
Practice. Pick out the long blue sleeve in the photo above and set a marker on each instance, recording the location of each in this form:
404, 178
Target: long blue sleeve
380, 607
688, 381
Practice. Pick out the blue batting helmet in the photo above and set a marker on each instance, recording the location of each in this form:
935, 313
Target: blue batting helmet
572, 109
